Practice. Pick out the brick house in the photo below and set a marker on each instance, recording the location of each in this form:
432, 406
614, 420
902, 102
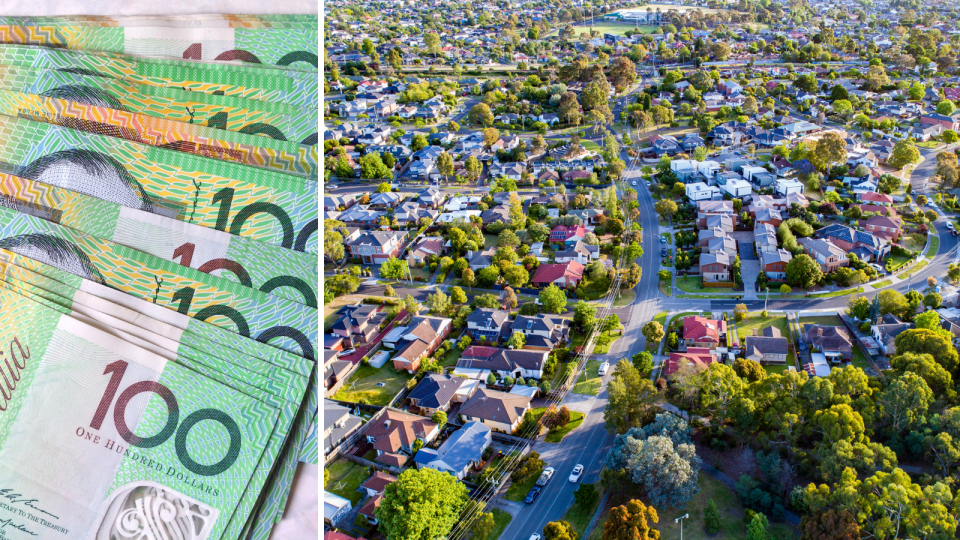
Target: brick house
937, 119
701, 357
865, 245
393, 435
774, 264
422, 337
375, 247
716, 267
568, 234
833, 341
564, 275
358, 323
702, 332
827, 254
498, 411
887, 228
768, 348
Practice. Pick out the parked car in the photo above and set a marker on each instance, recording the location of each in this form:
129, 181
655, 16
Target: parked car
534, 536
532, 496
663, 240
603, 368
663, 252
332, 186
950, 225
346, 352
545, 476
877, 267
577, 473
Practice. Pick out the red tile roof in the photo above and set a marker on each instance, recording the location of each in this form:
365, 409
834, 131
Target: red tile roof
477, 351
703, 329
548, 273
872, 196
696, 355
379, 481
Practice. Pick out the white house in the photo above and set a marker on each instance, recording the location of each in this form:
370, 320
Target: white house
749, 171
699, 191
786, 186
737, 188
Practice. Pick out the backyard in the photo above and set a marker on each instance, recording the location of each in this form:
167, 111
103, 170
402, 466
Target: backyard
345, 479
825, 320
374, 386
589, 381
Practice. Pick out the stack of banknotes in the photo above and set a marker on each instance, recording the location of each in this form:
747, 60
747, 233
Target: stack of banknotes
158, 274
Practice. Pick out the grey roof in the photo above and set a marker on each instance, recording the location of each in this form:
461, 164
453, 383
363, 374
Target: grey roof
436, 390
337, 422
541, 322
456, 453
849, 234
481, 316
765, 345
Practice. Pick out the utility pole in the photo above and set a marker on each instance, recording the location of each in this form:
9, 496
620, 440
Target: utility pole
680, 521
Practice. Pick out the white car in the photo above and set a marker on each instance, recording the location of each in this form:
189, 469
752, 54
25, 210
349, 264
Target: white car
950, 225
534, 536
332, 186
878, 268
576, 474
347, 352
603, 368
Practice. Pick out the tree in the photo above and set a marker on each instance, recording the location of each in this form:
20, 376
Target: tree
553, 299
517, 340
653, 331
569, 108
748, 369
468, 277
622, 73
712, 521
739, 312
584, 315
665, 470
516, 275
438, 302
666, 208
631, 398
916, 91
480, 114
830, 149
421, 504
932, 300
371, 167
933, 342
643, 361
946, 107
473, 167
802, 271
631, 521
410, 304
938, 379
611, 323
950, 136
445, 165
490, 136
394, 268
586, 495
785, 289
439, 418
491, 379
457, 296
807, 83
757, 528
483, 525
559, 530
832, 524
904, 152
905, 402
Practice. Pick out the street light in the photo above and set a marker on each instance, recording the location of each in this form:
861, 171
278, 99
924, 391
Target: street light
765, 298
680, 521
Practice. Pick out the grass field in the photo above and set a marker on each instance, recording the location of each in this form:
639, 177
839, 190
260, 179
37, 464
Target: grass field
501, 519
517, 491
613, 28
915, 242
934, 246
557, 435
842, 292
755, 321
825, 320
626, 298
894, 262
589, 381
345, 479
579, 517
881, 284
665, 288
913, 270
363, 384
692, 284
662, 319
858, 359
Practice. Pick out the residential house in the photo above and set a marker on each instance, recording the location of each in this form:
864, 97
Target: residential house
477, 362
579, 252
335, 508
774, 264
833, 341
423, 336
375, 247
499, 411
565, 275
410, 213
438, 392
941, 120
664, 145
724, 244
765, 238
478, 260
785, 186
879, 199
725, 222
568, 234
359, 216
699, 356
716, 267
885, 333
335, 371
887, 228
488, 324
702, 332
705, 235
699, 191
768, 348
737, 188
374, 488
358, 323
338, 425
768, 216
541, 331
393, 433
865, 245
385, 200
459, 452
424, 249
716, 207
826, 253
430, 197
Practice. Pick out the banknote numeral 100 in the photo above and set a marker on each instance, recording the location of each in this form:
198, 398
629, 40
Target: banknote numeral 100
173, 424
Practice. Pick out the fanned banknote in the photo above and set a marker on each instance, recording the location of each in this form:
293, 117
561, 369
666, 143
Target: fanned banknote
282, 272
267, 206
295, 88
270, 46
274, 120
104, 439
198, 20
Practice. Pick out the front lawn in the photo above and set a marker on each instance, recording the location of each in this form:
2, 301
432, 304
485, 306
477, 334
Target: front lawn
626, 298
518, 491
841, 292
913, 270
589, 381
500, 519
694, 284
915, 241
557, 435
824, 320
579, 517
345, 479
755, 321
881, 284
363, 384
895, 262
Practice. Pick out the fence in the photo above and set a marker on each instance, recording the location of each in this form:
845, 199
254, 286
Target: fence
366, 463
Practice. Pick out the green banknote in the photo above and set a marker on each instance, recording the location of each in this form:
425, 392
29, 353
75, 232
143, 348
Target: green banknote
98, 301
256, 46
266, 206
199, 20
275, 120
103, 439
242, 148
252, 378
288, 325
268, 268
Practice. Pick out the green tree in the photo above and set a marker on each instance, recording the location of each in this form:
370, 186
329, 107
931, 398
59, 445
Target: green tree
584, 315
950, 136
666, 208
739, 312
946, 107
905, 402
383, 187
916, 91
445, 165
516, 275
432, 41
517, 340
712, 521
419, 142
749, 370
631, 399
438, 302
802, 271
559, 530
421, 504
631, 521
394, 268
653, 332
586, 495
553, 299
439, 418
904, 152
372, 167
785, 289
643, 361
480, 115
757, 528
468, 277
457, 296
